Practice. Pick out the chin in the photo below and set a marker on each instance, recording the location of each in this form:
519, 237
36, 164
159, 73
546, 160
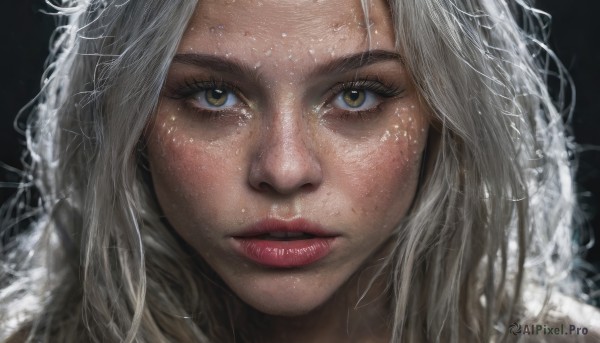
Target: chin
286, 308
286, 299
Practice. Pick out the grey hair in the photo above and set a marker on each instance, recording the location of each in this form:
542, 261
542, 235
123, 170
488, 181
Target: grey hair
100, 265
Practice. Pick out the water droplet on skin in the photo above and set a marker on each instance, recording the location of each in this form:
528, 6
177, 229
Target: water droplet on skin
243, 210
257, 65
385, 136
337, 27
269, 52
311, 51
283, 34
237, 152
412, 106
227, 55
191, 140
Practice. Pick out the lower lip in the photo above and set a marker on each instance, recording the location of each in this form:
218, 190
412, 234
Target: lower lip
284, 254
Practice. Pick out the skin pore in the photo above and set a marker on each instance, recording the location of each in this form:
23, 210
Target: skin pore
285, 110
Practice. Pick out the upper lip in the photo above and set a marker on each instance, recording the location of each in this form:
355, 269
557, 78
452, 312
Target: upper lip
272, 225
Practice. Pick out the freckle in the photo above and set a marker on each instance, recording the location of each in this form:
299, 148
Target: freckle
353, 210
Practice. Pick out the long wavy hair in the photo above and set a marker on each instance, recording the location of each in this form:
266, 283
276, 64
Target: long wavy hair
493, 215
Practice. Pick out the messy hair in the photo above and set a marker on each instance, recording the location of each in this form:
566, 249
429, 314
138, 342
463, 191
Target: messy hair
492, 217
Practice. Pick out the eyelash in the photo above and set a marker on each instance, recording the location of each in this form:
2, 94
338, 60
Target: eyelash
370, 84
191, 87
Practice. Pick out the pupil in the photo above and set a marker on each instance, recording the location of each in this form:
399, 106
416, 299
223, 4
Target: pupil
217, 94
354, 98
216, 97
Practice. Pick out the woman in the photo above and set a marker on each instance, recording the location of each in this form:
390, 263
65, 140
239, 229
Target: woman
306, 171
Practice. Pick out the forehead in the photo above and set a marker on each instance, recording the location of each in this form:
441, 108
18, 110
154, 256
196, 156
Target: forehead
219, 24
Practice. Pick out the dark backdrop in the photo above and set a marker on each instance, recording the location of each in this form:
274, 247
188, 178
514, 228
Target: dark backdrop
25, 32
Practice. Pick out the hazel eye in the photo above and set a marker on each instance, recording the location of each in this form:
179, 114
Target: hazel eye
356, 100
215, 98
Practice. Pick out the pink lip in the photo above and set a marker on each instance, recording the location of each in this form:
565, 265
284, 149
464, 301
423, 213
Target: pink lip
253, 243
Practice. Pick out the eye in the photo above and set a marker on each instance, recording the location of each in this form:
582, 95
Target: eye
216, 98
356, 99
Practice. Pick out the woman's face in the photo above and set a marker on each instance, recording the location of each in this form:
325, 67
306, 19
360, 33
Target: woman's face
287, 145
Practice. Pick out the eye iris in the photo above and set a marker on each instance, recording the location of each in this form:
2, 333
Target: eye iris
216, 97
354, 98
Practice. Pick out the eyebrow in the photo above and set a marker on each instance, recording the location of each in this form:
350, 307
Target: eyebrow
336, 66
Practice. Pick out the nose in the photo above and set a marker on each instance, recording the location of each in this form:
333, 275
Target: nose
285, 162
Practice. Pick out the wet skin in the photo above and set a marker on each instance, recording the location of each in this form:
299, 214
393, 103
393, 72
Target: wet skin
274, 109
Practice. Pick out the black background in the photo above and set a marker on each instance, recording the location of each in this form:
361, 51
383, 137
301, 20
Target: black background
575, 37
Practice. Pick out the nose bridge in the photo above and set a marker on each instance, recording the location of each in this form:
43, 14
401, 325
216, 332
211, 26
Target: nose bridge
286, 161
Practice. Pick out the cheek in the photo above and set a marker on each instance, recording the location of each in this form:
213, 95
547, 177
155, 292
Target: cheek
187, 172
382, 173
